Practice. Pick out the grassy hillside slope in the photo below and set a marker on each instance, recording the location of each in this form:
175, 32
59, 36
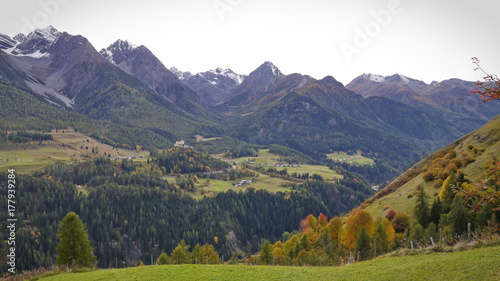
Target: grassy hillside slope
478, 264
479, 147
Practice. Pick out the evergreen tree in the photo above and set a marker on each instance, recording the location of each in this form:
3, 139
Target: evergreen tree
196, 254
74, 248
180, 254
421, 211
435, 212
162, 259
380, 238
234, 259
458, 215
416, 233
266, 255
432, 231
363, 244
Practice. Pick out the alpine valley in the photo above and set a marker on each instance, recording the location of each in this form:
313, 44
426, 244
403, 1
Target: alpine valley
123, 99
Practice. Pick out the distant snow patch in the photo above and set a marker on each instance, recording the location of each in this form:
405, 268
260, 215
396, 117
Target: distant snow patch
376, 78
131, 45
404, 78
36, 54
45, 91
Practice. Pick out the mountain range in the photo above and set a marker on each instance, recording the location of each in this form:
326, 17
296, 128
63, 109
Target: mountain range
139, 101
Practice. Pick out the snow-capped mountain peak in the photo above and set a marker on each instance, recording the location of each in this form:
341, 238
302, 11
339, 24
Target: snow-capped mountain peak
404, 78
224, 72
182, 75
124, 45
118, 51
213, 76
36, 44
374, 77
273, 68
49, 33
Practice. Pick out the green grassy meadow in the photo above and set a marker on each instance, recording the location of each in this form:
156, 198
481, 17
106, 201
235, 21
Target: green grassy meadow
271, 184
25, 161
67, 146
352, 159
477, 264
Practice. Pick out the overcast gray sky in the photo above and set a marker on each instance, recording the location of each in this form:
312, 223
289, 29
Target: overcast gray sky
423, 39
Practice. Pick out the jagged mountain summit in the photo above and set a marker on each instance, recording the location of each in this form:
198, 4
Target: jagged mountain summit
49, 63
406, 86
35, 44
255, 85
450, 97
219, 86
182, 75
213, 86
141, 63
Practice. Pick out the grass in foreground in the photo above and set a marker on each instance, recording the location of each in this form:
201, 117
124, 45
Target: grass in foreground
477, 264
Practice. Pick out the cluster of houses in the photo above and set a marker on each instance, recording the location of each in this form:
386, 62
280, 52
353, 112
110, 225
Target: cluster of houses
182, 144
344, 160
243, 182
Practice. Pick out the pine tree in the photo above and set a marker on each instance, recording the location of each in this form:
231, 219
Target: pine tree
435, 213
266, 255
416, 233
162, 259
363, 244
180, 254
458, 215
421, 211
380, 238
234, 259
74, 248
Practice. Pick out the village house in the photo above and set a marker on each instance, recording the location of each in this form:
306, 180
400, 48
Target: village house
182, 144
243, 182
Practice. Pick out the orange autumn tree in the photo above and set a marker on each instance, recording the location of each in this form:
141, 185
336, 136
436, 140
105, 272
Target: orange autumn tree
335, 231
357, 220
310, 222
322, 221
489, 89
